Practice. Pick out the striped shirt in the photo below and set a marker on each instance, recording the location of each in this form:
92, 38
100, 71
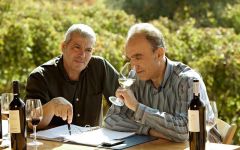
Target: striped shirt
163, 109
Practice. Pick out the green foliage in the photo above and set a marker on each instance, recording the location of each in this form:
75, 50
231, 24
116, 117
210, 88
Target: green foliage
146, 9
31, 34
14, 49
230, 17
207, 13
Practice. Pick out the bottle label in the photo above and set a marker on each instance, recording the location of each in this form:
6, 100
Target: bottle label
14, 121
193, 121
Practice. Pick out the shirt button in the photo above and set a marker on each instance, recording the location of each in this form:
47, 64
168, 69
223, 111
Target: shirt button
77, 99
78, 115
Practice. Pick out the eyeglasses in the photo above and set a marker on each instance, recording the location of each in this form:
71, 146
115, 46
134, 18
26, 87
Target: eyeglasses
86, 128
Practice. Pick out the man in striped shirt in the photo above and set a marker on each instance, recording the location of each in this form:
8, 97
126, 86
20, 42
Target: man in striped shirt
157, 103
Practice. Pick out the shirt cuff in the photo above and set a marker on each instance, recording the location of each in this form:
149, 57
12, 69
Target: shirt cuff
143, 130
139, 114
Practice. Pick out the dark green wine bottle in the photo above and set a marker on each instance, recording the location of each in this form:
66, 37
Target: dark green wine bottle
196, 120
17, 120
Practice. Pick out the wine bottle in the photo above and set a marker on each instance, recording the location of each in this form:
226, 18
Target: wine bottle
17, 120
196, 120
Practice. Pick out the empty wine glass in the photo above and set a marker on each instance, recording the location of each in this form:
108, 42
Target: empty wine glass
126, 79
211, 120
6, 99
34, 114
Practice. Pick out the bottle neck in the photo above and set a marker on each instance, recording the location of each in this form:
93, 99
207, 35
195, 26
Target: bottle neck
15, 94
196, 88
196, 96
15, 88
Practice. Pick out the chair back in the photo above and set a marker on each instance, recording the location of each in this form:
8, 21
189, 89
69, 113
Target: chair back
226, 131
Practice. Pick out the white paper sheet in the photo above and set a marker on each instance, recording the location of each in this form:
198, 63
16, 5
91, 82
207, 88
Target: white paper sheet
98, 136
82, 135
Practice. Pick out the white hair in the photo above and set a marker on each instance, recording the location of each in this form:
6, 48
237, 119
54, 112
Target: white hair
84, 30
152, 34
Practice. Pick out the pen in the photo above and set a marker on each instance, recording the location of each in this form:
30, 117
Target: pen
69, 128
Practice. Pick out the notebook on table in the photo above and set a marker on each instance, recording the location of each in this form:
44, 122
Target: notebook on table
92, 136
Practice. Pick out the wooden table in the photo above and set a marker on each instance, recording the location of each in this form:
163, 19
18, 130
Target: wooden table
153, 145
168, 145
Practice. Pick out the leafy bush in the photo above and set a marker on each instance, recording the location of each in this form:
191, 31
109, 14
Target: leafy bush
225, 13
230, 17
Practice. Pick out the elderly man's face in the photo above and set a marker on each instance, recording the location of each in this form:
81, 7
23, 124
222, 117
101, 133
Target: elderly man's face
141, 55
77, 53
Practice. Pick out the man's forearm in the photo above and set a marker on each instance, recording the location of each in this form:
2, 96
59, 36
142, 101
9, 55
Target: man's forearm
172, 127
155, 133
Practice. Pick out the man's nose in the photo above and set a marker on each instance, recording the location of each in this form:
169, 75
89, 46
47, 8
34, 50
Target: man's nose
81, 52
133, 64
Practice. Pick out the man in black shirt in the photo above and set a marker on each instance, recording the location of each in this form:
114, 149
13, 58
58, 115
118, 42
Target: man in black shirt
71, 86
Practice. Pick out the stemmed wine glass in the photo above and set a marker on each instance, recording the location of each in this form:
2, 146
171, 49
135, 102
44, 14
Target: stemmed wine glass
126, 79
34, 114
211, 120
6, 99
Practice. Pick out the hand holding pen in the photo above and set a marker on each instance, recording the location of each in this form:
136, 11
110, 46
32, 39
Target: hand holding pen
62, 108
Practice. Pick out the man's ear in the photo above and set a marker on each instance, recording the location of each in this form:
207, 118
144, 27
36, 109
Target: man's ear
160, 53
63, 46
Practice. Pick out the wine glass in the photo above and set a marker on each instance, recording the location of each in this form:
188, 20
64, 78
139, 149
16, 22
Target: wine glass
6, 99
211, 120
125, 80
34, 114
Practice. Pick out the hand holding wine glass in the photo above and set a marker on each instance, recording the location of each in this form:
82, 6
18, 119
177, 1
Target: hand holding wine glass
34, 114
126, 79
211, 120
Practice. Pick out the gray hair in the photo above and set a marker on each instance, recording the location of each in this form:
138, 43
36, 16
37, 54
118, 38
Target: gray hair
152, 34
84, 31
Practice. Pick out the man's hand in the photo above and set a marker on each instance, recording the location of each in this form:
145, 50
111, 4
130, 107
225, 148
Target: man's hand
62, 108
128, 98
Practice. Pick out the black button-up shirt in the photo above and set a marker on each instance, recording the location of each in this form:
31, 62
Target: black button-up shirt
50, 80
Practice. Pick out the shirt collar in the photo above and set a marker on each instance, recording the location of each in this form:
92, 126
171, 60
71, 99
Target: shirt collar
64, 72
62, 69
168, 71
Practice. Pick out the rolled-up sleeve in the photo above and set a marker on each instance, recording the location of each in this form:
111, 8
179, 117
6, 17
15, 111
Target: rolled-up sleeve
172, 126
121, 119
